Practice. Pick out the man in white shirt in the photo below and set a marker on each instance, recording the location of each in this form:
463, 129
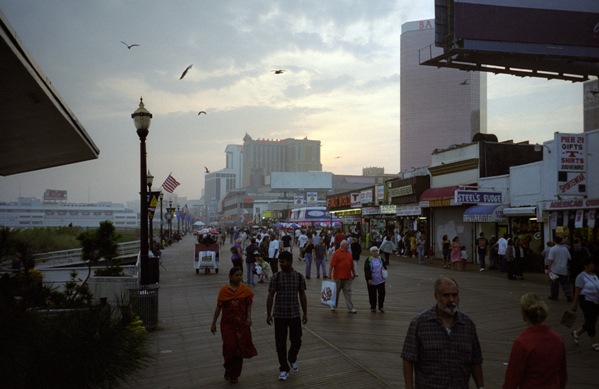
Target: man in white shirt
501, 250
557, 261
274, 249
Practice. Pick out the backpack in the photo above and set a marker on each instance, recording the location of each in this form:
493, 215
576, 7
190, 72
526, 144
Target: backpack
482, 243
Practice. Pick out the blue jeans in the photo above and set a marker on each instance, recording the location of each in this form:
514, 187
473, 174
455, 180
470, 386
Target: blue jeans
295, 337
564, 281
250, 270
321, 264
308, 259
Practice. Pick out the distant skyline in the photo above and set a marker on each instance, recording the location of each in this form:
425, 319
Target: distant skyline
340, 86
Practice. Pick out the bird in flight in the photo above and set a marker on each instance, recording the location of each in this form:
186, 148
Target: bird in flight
204, 112
207, 171
129, 46
185, 71
338, 157
465, 82
278, 71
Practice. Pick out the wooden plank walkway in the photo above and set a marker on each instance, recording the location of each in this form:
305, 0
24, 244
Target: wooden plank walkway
338, 349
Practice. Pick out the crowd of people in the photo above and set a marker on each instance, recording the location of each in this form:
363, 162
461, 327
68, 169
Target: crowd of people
441, 346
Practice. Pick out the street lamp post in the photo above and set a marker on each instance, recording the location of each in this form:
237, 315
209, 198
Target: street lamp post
148, 267
170, 219
150, 180
178, 220
161, 222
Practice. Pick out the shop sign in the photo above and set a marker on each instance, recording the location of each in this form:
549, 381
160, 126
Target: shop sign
380, 193
370, 211
366, 196
436, 203
298, 200
355, 200
337, 202
389, 209
569, 204
478, 197
408, 210
311, 198
401, 191
571, 164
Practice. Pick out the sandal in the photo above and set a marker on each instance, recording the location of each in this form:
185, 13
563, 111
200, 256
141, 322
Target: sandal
595, 346
577, 339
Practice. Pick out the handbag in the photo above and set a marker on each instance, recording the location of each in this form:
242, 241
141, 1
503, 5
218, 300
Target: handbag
568, 318
328, 293
385, 273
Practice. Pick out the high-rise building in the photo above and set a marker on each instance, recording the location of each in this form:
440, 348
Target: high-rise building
439, 107
218, 183
591, 105
264, 156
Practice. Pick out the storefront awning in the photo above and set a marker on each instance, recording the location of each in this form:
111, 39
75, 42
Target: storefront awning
520, 211
485, 214
438, 197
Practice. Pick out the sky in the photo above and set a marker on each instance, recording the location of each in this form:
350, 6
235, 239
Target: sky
341, 86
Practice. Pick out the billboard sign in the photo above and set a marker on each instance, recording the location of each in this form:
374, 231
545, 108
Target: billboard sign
549, 39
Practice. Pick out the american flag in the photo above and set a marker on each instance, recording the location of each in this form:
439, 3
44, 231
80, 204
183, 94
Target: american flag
170, 184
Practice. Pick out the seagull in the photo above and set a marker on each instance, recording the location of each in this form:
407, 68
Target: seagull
185, 71
278, 71
204, 112
338, 157
207, 171
129, 46
465, 82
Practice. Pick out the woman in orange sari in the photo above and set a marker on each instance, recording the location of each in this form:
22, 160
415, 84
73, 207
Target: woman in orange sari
235, 302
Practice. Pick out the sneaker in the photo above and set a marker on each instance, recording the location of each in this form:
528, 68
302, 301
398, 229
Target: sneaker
576, 338
373, 310
283, 376
382, 310
595, 346
333, 308
294, 367
482, 269
353, 310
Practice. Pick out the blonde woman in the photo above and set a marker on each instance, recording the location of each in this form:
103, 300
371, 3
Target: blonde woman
538, 357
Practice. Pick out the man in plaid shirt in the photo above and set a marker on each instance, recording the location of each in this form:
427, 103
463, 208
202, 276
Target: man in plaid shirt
441, 345
287, 290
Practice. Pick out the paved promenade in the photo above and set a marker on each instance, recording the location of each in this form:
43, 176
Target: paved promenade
340, 349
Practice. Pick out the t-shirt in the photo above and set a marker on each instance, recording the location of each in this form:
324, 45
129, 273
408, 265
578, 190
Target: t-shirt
560, 256
501, 246
343, 263
589, 286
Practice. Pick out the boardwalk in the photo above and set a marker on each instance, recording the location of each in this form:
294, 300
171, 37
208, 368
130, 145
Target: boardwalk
338, 349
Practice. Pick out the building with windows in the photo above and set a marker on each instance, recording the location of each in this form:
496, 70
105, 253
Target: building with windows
439, 107
29, 212
264, 156
218, 183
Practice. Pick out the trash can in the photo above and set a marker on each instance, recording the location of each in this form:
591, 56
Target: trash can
143, 300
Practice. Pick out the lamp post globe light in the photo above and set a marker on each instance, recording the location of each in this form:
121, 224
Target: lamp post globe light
148, 266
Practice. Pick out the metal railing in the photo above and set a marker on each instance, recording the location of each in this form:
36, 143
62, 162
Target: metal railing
65, 257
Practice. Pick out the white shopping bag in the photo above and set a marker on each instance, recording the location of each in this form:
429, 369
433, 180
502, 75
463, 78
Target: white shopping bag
328, 293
